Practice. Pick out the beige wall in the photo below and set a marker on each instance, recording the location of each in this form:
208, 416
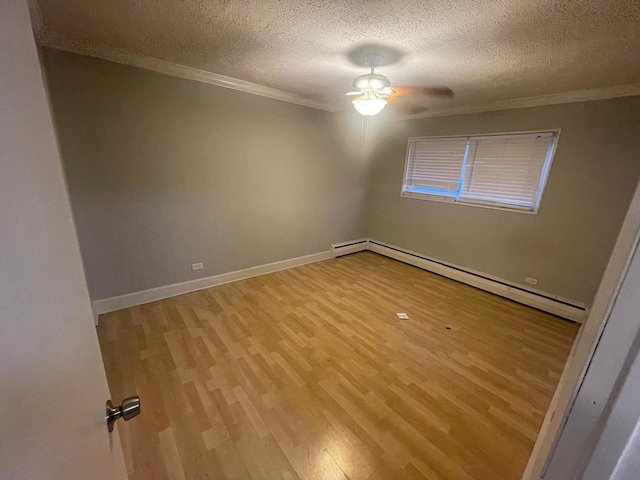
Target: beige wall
567, 245
164, 172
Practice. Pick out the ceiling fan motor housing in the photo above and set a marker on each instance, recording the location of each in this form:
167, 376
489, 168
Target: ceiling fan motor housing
371, 80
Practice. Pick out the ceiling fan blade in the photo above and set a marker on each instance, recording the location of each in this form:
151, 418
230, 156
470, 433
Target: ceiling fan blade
355, 93
423, 91
405, 107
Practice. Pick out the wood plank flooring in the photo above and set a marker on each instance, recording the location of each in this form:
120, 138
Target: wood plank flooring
308, 374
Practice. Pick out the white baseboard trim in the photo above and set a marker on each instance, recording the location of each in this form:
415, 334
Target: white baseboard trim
96, 316
568, 309
345, 248
111, 304
554, 304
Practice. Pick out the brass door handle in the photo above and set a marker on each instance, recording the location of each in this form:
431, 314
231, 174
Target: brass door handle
130, 408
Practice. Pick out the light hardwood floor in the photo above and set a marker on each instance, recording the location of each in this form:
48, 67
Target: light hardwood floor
308, 374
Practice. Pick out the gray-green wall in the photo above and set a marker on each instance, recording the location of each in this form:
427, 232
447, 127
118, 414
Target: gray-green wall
567, 245
164, 172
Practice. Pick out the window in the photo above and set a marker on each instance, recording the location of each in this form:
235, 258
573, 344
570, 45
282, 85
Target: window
504, 171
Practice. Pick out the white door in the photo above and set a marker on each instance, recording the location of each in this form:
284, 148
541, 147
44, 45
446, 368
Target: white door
604, 415
52, 382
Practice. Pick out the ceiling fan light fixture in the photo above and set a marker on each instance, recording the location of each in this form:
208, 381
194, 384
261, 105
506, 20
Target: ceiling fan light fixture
371, 80
369, 106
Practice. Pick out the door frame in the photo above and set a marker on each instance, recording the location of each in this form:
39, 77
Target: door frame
586, 342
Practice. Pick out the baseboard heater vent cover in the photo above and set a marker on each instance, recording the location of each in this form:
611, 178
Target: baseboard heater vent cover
340, 249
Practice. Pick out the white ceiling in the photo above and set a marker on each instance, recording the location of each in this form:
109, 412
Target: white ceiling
485, 50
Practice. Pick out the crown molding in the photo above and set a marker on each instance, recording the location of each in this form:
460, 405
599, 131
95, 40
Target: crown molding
605, 93
52, 40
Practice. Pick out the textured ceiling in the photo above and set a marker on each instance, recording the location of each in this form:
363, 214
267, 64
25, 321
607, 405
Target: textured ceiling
485, 50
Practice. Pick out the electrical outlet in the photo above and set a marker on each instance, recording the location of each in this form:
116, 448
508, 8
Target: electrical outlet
197, 266
531, 281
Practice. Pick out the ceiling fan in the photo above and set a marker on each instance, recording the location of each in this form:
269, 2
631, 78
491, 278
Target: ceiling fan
374, 90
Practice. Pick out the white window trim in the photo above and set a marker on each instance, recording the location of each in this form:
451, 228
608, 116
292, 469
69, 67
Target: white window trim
451, 200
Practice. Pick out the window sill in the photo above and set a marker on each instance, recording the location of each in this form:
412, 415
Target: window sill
453, 201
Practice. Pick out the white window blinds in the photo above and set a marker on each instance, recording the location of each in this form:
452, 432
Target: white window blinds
434, 165
508, 171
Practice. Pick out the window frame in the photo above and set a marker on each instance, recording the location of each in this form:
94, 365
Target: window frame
454, 201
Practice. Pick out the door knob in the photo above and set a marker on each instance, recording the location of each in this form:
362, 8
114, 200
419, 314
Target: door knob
130, 408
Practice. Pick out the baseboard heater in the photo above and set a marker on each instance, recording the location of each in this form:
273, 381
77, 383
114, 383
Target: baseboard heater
548, 303
340, 249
